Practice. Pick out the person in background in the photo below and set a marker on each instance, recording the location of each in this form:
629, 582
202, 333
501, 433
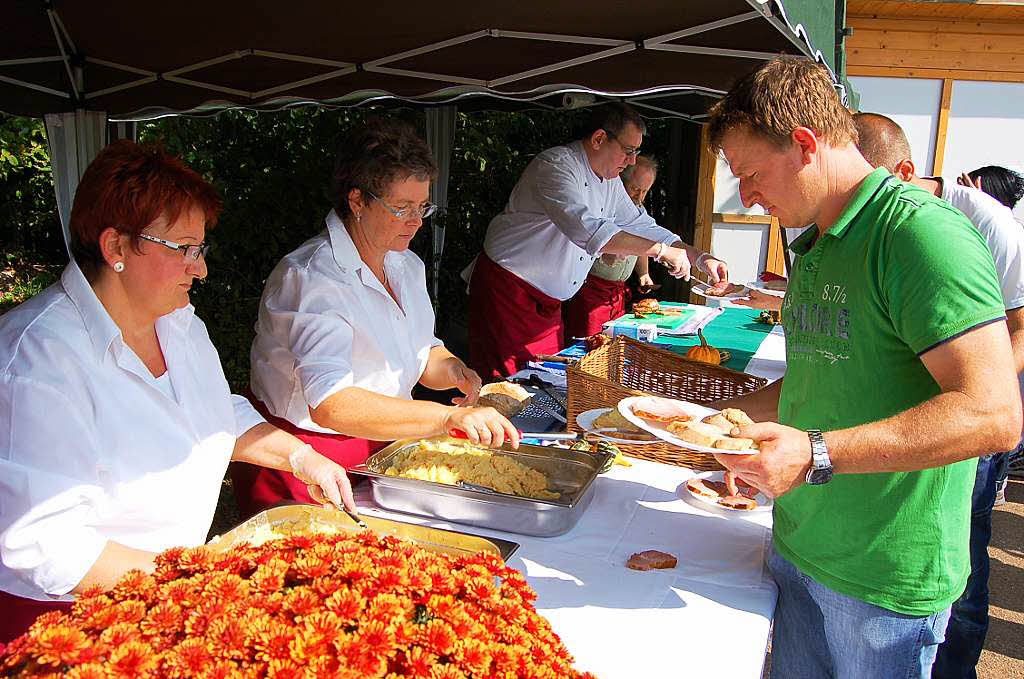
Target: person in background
898, 375
1004, 185
884, 144
604, 294
118, 422
567, 209
346, 327
1007, 187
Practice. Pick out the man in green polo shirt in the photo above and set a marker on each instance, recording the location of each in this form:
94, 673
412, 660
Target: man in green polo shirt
899, 373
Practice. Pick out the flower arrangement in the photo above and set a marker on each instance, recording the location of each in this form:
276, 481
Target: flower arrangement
342, 606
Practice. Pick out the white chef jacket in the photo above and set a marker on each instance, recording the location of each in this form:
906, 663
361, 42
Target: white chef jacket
326, 323
93, 449
1004, 236
558, 218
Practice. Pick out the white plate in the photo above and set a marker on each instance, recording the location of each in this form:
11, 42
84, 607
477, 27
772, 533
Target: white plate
585, 421
764, 503
701, 289
653, 403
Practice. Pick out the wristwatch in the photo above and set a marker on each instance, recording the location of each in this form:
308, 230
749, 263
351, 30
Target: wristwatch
821, 464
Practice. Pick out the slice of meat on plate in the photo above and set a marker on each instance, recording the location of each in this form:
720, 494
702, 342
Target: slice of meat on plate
738, 502
652, 558
707, 488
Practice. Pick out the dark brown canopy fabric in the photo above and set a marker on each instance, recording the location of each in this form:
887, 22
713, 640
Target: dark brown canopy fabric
138, 59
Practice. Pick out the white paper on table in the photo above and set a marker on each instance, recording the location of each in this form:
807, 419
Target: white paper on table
699, 320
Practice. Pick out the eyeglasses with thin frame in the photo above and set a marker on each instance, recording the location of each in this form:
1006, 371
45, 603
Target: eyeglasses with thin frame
189, 252
422, 211
630, 151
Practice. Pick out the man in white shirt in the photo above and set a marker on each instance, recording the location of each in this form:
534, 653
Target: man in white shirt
884, 144
604, 294
568, 208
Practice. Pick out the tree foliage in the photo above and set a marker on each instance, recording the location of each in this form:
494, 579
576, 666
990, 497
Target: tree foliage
273, 172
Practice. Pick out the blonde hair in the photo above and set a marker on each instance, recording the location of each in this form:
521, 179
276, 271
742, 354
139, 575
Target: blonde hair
778, 97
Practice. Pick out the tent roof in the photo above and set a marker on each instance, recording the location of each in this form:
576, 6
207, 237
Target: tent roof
137, 60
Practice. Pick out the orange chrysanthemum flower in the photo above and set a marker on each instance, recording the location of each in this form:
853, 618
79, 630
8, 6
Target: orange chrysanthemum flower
132, 660
59, 645
340, 606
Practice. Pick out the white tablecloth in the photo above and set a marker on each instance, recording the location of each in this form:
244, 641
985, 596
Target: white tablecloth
713, 611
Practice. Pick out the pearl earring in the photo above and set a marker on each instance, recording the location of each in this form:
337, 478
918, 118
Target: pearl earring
118, 267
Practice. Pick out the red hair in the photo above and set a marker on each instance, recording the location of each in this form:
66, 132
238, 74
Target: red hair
128, 186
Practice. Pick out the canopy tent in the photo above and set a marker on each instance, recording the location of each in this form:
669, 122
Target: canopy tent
123, 60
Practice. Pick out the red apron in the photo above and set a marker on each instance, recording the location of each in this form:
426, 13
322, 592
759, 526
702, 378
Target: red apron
596, 303
510, 321
19, 614
258, 488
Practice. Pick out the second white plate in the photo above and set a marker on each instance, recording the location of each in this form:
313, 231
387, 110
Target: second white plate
585, 421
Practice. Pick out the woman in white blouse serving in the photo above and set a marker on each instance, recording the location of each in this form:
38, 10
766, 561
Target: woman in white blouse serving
346, 328
118, 422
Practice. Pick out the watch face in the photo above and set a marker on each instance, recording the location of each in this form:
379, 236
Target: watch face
816, 477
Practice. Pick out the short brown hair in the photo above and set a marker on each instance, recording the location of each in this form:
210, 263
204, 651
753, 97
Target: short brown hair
371, 158
128, 186
881, 140
613, 118
778, 97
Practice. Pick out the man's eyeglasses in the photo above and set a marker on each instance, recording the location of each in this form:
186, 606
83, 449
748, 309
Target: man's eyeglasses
189, 252
630, 151
421, 211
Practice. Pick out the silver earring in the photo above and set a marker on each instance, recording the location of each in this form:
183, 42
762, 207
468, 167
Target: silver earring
359, 218
118, 267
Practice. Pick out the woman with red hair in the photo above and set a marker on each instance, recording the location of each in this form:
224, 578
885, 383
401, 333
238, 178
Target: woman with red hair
118, 422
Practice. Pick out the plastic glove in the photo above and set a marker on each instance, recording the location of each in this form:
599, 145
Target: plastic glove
716, 269
325, 479
675, 260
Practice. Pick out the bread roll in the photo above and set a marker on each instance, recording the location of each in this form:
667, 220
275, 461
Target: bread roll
731, 443
737, 417
698, 433
718, 420
507, 398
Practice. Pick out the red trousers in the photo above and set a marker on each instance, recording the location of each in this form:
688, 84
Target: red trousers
18, 614
510, 321
596, 303
259, 488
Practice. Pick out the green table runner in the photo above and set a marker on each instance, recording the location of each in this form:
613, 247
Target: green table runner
734, 329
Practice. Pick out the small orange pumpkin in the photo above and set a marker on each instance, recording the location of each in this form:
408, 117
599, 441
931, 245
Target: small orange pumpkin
704, 352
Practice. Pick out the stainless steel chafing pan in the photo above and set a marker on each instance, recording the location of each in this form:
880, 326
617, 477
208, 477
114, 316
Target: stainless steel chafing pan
570, 473
309, 519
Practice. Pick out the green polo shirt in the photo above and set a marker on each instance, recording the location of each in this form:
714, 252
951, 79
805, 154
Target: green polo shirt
897, 274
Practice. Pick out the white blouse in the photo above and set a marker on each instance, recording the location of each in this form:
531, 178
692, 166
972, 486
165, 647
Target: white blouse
558, 217
93, 449
326, 323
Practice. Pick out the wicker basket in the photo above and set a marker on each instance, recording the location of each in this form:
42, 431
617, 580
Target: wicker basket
625, 367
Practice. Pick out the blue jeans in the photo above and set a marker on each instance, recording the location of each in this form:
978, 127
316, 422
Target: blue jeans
968, 621
820, 633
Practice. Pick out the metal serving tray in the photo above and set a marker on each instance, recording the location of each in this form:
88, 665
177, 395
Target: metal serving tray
571, 473
307, 519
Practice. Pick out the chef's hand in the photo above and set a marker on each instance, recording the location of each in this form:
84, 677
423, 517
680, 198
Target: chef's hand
325, 479
465, 380
482, 425
781, 462
965, 180
716, 269
675, 260
759, 300
646, 283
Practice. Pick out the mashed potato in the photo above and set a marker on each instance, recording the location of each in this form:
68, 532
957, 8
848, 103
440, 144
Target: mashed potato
450, 463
